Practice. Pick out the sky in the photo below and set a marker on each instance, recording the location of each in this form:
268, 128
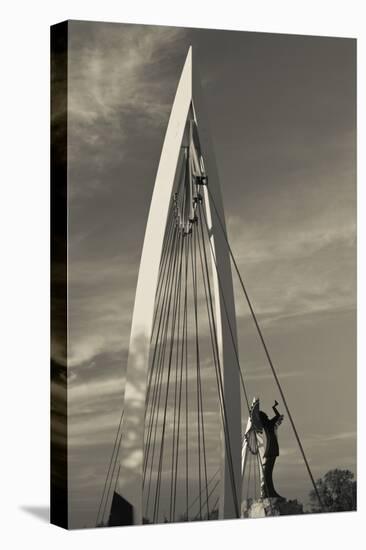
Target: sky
282, 117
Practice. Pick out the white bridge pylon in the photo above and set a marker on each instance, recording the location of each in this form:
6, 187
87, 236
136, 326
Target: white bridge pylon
187, 103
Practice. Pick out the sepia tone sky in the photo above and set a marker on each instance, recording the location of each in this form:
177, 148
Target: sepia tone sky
282, 116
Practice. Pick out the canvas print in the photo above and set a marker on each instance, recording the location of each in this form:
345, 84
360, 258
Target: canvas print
203, 274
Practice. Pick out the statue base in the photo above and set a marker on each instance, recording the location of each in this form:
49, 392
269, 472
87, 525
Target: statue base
270, 507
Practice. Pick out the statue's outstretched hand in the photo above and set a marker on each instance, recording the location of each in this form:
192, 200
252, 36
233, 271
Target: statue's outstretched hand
276, 403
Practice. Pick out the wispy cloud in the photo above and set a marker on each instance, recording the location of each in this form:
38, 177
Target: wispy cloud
99, 313
117, 89
114, 72
294, 274
264, 373
253, 247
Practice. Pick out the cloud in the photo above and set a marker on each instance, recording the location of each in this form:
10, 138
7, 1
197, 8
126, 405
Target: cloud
100, 307
256, 248
292, 274
117, 90
92, 391
341, 436
114, 72
264, 373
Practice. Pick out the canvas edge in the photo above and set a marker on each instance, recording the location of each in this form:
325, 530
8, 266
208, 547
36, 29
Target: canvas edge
58, 283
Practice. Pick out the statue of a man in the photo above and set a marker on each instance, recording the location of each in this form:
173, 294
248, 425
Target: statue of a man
271, 452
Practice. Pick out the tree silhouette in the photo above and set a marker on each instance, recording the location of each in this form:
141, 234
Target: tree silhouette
337, 490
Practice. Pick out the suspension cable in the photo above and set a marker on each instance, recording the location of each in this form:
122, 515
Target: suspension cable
209, 483
111, 478
176, 392
214, 341
159, 381
236, 352
158, 355
109, 467
196, 237
194, 283
158, 484
173, 325
260, 334
206, 501
188, 242
179, 399
229, 325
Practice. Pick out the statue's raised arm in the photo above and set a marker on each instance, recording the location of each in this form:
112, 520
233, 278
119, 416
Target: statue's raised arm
271, 451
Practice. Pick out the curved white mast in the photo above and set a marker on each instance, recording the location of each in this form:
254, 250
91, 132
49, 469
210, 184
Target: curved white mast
130, 480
